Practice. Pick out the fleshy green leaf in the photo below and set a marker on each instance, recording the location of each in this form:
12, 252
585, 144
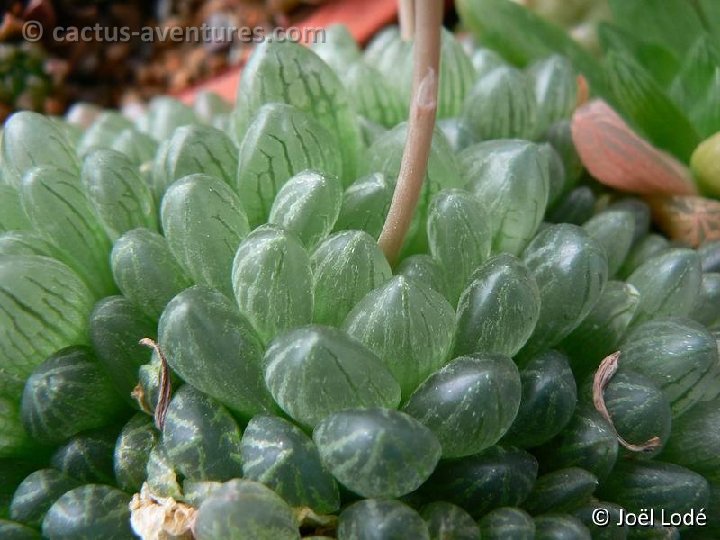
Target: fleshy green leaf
697, 71
563, 258
27, 243
116, 326
313, 371
67, 394
59, 208
146, 271
588, 441
37, 493
245, 510
668, 285
287, 72
706, 115
278, 454
671, 23
208, 105
90, 511
14, 440
683, 490
44, 307
392, 57
602, 331
650, 109
214, 348
448, 402
696, 443
201, 438
511, 180
427, 322
394, 62
661, 62
338, 49
459, 235
501, 105
395, 519
345, 267
485, 60
138, 147
556, 90
562, 490
503, 521
499, 308
272, 281
204, 222
677, 354
385, 156
132, 452
201, 149
12, 213
549, 396
424, 269
709, 11
365, 204
377, 452
164, 115
30, 140
614, 229
308, 205
281, 141
447, 521
456, 76
88, 457
498, 476
121, 197
372, 96
103, 132
561, 526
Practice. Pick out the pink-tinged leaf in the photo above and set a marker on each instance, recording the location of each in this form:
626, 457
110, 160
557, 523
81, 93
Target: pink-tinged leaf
688, 219
618, 157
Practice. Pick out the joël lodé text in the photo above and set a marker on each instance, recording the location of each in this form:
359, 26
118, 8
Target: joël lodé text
649, 517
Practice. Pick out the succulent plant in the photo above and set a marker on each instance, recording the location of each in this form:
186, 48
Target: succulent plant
327, 360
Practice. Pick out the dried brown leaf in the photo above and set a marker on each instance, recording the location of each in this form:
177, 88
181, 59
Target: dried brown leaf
688, 219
